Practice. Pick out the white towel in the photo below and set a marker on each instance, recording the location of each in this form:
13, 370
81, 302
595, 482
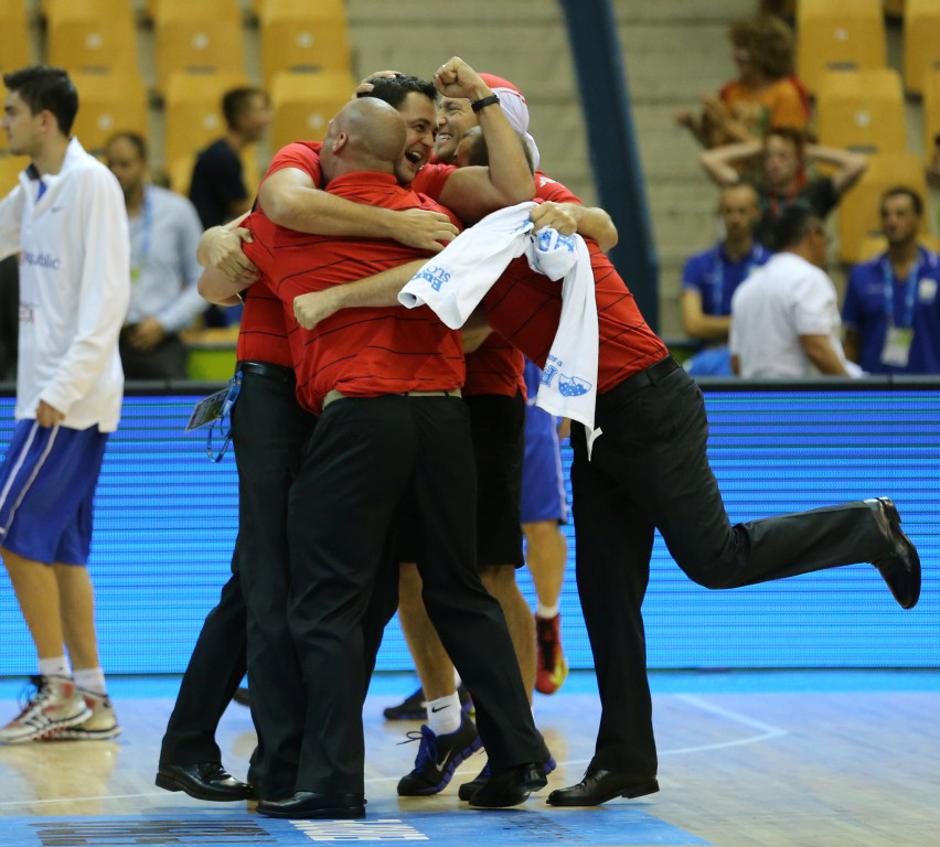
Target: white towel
454, 282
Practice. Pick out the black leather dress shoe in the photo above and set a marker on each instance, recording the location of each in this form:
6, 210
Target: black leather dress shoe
205, 781
509, 787
900, 566
599, 786
308, 804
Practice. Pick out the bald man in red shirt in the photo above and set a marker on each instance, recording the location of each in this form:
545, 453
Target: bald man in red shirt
391, 427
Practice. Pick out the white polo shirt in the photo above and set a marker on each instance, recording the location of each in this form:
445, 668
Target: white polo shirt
786, 298
74, 289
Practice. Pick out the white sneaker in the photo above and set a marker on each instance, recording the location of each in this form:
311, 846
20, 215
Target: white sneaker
102, 723
55, 704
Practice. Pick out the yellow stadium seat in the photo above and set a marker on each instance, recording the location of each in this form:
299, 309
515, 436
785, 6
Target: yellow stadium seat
838, 35
193, 109
82, 38
15, 53
195, 46
859, 217
208, 10
304, 103
297, 35
10, 169
93, 9
862, 110
921, 42
109, 104
873, 245
931, 109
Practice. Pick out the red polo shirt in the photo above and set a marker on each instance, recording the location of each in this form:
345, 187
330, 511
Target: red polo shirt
524, 307
262, 336
361, 352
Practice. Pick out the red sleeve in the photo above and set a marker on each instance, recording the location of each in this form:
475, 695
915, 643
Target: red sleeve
546, 189
259, 248
303, 155
431, 180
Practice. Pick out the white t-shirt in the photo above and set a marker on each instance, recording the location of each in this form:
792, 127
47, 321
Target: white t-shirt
786, 298
74, 289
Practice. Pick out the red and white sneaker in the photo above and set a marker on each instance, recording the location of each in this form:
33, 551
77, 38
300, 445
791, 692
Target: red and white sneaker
552, 668
101, 725
55, 704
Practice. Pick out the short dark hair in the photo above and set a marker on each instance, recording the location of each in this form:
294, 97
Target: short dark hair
792, 225
134, 138
237, 101
43, 88
904, 191
796, 137
394, 90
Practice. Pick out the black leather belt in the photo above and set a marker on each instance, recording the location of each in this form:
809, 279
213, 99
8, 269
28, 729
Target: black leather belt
648, 376
269, 371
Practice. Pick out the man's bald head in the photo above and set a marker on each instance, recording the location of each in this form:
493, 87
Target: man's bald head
365, 135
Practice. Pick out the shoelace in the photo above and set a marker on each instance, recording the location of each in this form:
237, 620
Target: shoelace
427, 751
36, 691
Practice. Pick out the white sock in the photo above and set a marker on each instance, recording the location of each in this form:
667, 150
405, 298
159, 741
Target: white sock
456, 679
90, 679
444, 714
58, 666
547, 612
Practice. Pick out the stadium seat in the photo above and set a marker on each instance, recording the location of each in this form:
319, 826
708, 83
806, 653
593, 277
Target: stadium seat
838, 35
921, 42
109, 104
85, 37
300, 36
875, 244
97, 9
197, 46
193, 109
304, 103
15, 53
862, 110
859, 218
207, 10
10, 168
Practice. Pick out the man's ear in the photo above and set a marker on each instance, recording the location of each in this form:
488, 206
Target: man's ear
339, 142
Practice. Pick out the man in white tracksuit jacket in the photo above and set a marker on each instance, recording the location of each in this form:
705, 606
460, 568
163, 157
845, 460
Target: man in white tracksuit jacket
67, 221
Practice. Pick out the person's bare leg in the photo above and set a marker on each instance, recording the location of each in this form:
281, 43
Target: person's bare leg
38, 595
77, 603
546, 556
500, 581
434, 667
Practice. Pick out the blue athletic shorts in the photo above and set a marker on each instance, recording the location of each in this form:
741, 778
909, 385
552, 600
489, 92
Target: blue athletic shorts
543, 483
47, 488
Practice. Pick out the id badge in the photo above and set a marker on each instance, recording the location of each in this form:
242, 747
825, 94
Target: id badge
897, 349
216, 406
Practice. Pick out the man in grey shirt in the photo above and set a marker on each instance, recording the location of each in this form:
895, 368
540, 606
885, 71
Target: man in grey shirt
164, 232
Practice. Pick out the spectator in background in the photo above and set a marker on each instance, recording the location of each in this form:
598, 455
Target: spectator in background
784, 156
785, 316
765, 94
164, 233
217, 188
891, 311
711, 277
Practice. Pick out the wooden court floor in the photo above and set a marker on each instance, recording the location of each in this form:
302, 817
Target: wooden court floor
824, 759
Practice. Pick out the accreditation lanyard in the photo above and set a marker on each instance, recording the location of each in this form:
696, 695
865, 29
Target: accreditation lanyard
910, 294
146, 234
718, 276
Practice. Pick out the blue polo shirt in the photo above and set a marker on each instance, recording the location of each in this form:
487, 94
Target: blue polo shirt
716, 277
914, 303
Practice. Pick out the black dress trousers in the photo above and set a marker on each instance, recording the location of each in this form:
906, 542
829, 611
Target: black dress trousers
649, 469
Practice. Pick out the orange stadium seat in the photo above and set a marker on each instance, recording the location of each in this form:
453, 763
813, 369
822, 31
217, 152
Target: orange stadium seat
85, 37
15, 53
297, 35
858, 212
862, 110
10, 168
194, 45
931, 109
921, 42
304, 103
109, 104
193, 109
838, 35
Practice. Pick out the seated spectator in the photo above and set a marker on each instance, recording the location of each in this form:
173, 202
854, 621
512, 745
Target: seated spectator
785, 315
891, 310
711, 277
164, 233
765, 94
217, 188
785, 158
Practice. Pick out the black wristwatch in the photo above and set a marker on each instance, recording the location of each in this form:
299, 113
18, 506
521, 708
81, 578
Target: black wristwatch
483, 102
